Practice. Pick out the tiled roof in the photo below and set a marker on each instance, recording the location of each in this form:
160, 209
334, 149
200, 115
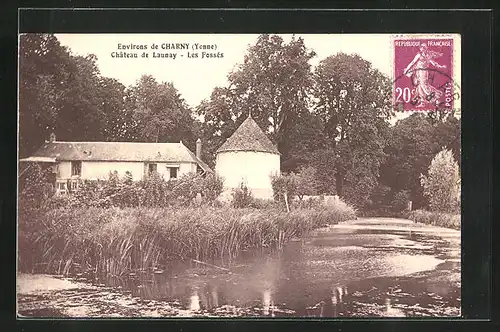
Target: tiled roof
119, 151
200, 162
248, 137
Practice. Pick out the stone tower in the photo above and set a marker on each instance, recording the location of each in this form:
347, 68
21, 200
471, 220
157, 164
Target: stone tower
248, 157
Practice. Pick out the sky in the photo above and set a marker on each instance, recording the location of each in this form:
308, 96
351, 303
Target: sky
195, 78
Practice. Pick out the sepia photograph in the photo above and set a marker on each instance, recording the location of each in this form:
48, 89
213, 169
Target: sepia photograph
239, 175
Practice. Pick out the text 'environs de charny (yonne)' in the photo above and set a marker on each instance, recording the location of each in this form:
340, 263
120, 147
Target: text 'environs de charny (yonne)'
167, 50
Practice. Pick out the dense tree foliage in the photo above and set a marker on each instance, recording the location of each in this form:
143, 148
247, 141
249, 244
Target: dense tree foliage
273, 84
412, 144
442, 183
331, 123
158, 112
44, 71
353, 103
66, 94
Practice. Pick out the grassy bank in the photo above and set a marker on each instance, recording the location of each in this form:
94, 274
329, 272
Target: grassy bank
118, 241
436, 218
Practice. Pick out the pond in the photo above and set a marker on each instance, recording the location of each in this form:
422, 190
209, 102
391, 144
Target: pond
366, 268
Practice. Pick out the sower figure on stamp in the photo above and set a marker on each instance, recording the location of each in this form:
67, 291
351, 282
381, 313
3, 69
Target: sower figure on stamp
418, 70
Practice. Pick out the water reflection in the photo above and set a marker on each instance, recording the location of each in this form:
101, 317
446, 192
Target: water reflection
335, 301
215, 297
338, 294
390, 311
194, 303
267, 303
208, 298
308, 279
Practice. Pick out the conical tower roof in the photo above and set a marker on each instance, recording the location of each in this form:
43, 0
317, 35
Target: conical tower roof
248, 137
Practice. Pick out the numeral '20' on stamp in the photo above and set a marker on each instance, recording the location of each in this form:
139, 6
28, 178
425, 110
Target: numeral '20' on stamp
423, 72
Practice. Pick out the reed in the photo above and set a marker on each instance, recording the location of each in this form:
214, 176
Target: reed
117, 241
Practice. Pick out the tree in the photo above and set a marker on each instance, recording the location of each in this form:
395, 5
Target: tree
159, 114
118, 120
219, 122
34, 188
353, 103
80, 115
272, 83
411, 145
284, 187
305, 182
66, 94
400, 200
442, 183
43, 74
304, 140
323, 160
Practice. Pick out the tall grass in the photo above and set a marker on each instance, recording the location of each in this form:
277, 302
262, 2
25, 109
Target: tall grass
440, 219
116, 241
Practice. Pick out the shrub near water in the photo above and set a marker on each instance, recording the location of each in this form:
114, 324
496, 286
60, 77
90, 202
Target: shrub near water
120, 240
436, 218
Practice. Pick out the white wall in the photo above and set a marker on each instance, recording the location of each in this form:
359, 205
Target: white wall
188, 168
253, 168
183, 168
64, 170
93, 170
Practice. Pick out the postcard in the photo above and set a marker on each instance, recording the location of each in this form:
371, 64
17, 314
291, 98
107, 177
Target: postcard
239, 175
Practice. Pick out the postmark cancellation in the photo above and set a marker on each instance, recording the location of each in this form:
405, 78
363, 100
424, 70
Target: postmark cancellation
425, 75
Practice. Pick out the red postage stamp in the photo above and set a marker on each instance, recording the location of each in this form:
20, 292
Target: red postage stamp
423, 72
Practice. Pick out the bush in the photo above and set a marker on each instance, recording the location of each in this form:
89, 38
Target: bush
185, 188
400, 200
153, 191
34, 189
211, 187
283, 185
305, 182
88, 194
61, 201
259, 203
340, 210
440, 219
242, 197
383, 211
309, 203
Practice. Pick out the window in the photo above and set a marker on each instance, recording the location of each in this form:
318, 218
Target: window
173, 172
61, 187
152, 168
76, 168
54, 169
73, 185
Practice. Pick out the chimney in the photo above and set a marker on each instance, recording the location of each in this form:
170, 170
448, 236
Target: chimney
52, 137
198, 148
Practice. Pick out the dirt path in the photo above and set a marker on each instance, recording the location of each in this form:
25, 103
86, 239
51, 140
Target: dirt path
396, 224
